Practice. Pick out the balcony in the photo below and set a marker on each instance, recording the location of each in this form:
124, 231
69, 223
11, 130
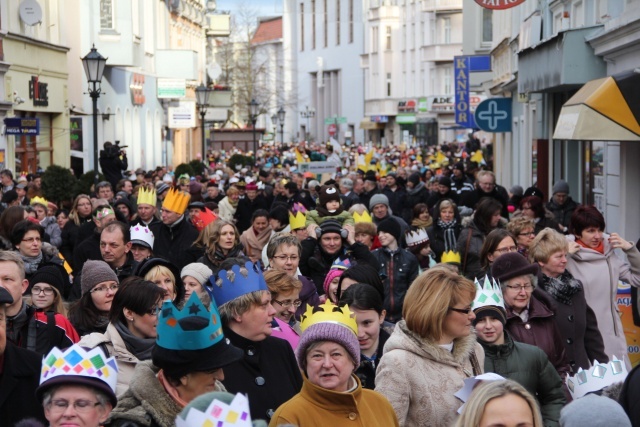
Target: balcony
177, 64
381, 107
384, 13
440, 52
442, 5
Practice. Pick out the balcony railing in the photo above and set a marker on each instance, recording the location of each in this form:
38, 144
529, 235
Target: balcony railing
441, 5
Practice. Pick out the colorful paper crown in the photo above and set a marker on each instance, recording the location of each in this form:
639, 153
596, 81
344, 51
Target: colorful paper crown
451, 257
201, 219
219, 414
298, 207
329, 313
598, 377
488, 294
39, 201
142, 234
176, 201
231, 284
341, 264
416, 237
104, 212
192, 328
75, 361
147, 197
297, 221
365, 217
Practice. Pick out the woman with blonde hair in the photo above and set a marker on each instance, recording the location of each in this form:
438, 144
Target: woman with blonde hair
164, 274
223, 243
227, 206
500, 403
80, 213
432, 350
523, 229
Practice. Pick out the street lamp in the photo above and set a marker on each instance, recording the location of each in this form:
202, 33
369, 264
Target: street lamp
94, 65
202, 102
274, 123
281, 114
253, 116
308, 114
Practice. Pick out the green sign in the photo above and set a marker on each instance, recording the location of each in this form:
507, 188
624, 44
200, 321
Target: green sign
335, 120
406, 118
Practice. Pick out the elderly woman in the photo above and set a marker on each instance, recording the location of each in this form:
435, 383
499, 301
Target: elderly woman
131, 332
497, 243
257, 236
444, 232
26, 238
523, 229
432, 350
223, 243
530, 316
597, 267
367, 234
332, 395
74, 389
227, 206
267, 372
164, 274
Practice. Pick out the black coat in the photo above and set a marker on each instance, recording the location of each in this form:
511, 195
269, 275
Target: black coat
628, 396
398, 271
366, 372
175, 244
414, 196
396, 198
471, 198
268, 373
245, 210
365, 197
350, 200
18, 382
112, 166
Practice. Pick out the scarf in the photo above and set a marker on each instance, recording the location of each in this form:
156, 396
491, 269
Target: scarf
139, 347
232, 203
31, 263
253, 243
561, 288
171, 390
322, 211
415, 189
418, 223
449, 233
599, 249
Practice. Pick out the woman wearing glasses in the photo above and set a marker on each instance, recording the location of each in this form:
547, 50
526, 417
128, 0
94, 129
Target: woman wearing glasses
498, 242
98, 286
285, 299
523, 229
533, 207
530, 316
131, 332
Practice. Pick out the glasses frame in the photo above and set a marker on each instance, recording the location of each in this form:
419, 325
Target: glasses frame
526, 288
47, 291
461, 310
112, 288
154, 311
285, 258
53, 407
286, 304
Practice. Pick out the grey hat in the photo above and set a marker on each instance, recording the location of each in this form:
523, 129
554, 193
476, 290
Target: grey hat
378, 199
198, 271
516, 190
560, 187
95, 272
161, 188
593, 410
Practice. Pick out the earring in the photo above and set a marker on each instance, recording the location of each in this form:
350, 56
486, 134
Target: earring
130, 320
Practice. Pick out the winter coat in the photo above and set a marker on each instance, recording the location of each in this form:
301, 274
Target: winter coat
344, 218
420, 378
146, 403
562, 214
175, 243
112, 165
528, 366
366, 371
435, 197
398, 270
245, 210
578, 326
116, 347
308, 295
18, 382
52, 229
415, 195
436, 233
599, 274
545, 222
213, 262
315, 406
350, 200
50, 257
396, 198
271, 359
540, 330
226, 210
469, 245
471, 198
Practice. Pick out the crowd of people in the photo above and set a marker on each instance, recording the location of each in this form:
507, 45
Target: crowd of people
370, 296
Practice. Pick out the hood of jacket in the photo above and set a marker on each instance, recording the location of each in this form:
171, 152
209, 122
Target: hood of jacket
589, 255
50, 254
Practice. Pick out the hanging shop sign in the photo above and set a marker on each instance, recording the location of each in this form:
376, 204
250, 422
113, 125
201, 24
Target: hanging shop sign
136, 87
22, 126
499, 4
463, 66
38, 92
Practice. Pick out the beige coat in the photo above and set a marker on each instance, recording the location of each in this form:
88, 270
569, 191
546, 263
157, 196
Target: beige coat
599, 274
419, 378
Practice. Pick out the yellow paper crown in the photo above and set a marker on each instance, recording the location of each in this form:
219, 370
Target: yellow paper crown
451, 257
329, 313
39, 201
297, 221
147, 197
176, 201
365, 217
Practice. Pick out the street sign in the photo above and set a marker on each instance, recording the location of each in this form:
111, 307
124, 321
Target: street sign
494, 115
317, 167
22, 126
172, 88
499, 4
335, 120
183, 116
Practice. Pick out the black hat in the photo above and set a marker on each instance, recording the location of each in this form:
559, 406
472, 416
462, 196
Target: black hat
51, 276
371, 178
459, 166
5, 297
146, 265
445, 180
291, 186
9, 196
392, 227
196, 205
490, 311
511, 265
534, 191
414, 178
328, 193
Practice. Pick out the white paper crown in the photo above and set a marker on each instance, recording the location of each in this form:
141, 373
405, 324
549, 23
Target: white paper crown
598, 377
416, 237
142, 233
219, 414
76, 361
488, 294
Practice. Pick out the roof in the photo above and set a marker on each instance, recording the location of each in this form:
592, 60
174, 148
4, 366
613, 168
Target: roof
269, 29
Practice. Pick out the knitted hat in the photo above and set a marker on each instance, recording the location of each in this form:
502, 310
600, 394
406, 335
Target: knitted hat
534, 191
511, 265
560, 187
593, 410
378, 199
95, 272
490, 311
332, 274
331, 226
459, 166
252, 186
198, 271
414, 178
516, 190
51, 276
328, 193
445, 180
392, 227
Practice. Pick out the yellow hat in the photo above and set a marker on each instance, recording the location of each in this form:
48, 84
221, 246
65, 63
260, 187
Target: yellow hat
365, 217
176, 201
297, 221
451, 257
39, 201
329, 313
147, 197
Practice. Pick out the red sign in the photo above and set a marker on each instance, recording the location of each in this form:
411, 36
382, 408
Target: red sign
499, 4
332, 129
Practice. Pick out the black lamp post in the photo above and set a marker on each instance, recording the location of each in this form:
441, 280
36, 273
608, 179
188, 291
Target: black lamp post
253, 116
94, 65
281, 114
274, 123
308, 114
202, 102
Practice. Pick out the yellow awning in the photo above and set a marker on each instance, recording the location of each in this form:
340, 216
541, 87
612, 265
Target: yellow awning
367, 124
605, 109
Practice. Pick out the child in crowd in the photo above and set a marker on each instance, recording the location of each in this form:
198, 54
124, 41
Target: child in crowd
329, 207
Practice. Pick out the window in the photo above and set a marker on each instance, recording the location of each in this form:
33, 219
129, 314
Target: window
106, 15
446, 30
388, 43
374, 39
135, 18
326, 24
388, 84
337, 22
301, 26
448, 73
350, 21
487, 26
313, 24
577, 14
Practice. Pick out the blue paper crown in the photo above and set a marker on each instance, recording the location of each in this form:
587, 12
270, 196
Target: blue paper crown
192, 328
229, 290
341, 264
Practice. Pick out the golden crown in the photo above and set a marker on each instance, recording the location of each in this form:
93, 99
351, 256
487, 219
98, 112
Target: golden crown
39, 201
451, 257
365, 217
329, 313
176, 201
147, 197
297, 221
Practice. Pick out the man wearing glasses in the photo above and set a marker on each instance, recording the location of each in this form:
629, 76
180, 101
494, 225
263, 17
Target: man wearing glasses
486, 187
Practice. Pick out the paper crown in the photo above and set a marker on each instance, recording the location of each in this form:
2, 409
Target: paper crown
147, 197
140, 234
298, 207
451, 257
341, 264
231, 284
487, 294
104, 212
201, 219
192, 328
219, 414
176, 201
416, 237
75, 361
365, 217
39, 201
297, 221
329, 313
598, 377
